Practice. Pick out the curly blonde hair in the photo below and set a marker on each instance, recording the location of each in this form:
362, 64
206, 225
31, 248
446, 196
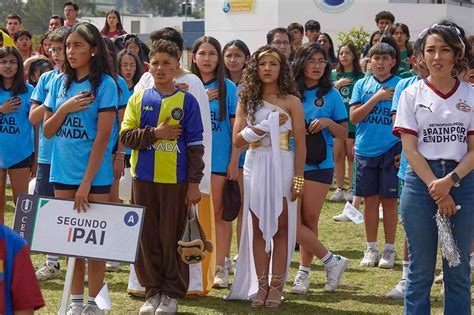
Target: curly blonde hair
251, 91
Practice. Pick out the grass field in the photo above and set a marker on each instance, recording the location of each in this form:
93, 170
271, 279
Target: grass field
361, 292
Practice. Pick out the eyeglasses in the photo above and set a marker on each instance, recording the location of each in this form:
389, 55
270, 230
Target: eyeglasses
193, 258
56, 50
280, 43
320, 63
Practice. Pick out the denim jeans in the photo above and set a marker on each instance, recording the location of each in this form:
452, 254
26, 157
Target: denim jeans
418, 210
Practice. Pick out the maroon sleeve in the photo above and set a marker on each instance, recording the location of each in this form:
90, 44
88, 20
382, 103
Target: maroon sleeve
25, 289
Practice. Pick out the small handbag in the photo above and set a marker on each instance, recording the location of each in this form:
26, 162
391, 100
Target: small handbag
316, 151
193, 243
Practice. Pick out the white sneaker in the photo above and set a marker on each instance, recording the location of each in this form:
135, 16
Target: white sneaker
235, 257
301, 283
228, 266
167, 305
334, 274
74, 309
112, 266
439, 278
221, 280
338, 195
371, 258
341, 218
92, 310
48, 271
150, 305
387, 261
397, 293
349, 195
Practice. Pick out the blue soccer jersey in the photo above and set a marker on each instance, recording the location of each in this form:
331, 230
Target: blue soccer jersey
124, 95
330, 106
16, 132
74, 139
222, 129
374, 134
165, 161
45, 146
402, 85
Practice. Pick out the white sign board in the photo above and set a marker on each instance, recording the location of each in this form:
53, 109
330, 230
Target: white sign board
106, 231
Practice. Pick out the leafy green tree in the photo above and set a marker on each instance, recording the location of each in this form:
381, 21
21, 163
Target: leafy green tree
161, 7
356, 36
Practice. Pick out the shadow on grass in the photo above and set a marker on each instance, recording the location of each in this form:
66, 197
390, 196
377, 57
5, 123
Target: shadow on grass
216, 304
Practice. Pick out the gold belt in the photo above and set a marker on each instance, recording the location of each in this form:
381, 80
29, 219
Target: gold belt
284, 142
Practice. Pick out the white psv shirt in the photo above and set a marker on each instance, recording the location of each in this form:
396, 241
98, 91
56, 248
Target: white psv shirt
442, 122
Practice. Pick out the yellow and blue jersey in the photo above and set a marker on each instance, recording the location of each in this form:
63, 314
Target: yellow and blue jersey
74, 139
374, 134
165, 161
45, 145
222, 129
16, 132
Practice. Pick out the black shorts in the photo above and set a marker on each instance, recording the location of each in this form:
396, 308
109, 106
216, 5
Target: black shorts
100, 190
323, 176
26, 163
219, 173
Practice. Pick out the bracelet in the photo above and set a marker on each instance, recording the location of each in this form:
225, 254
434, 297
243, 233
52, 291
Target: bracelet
298, 184
119, 152
119, 158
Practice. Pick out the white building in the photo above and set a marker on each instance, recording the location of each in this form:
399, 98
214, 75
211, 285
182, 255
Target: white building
334, 16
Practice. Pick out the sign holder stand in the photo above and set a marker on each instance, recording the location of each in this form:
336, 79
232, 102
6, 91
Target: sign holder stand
67, 285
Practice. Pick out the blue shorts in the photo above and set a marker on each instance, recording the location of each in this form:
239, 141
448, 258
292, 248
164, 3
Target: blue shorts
43, 186
377, 175
323, 176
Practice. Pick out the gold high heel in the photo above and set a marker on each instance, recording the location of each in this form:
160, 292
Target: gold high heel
275, 303
262, 286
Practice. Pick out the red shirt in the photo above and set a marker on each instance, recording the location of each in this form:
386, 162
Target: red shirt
114, 33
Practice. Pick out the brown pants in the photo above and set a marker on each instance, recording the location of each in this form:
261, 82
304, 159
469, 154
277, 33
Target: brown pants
159, 267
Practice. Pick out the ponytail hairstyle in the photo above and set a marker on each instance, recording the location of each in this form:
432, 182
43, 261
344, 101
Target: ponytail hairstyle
299, 64
19, 85
99, 63
239, 44
219, 72
139, 66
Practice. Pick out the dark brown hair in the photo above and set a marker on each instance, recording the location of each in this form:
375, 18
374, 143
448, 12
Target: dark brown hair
219, 72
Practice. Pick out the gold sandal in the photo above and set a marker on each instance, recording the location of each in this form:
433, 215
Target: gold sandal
275, 303
262, 286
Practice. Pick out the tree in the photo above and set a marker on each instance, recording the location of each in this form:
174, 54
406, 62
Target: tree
161, 7
358, 37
